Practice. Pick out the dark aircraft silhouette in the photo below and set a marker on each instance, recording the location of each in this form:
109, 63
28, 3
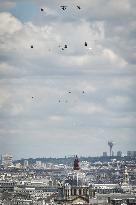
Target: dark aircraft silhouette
31, 46
63, 7
85, 43
42, 9
78, 7
63, 48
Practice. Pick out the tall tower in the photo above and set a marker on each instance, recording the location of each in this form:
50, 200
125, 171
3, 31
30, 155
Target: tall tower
125, 184
110, 144
76, 164
125, 176
76, 169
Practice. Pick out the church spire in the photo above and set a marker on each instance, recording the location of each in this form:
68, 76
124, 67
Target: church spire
76, 163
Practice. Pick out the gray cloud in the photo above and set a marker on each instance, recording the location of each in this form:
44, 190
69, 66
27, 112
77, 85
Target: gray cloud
5, 4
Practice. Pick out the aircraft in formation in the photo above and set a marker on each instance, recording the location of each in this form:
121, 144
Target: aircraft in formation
64, 7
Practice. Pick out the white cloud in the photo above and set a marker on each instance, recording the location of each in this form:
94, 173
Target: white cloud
56, 118
5, 4
88, 108
4, 96
113, 58
120, 105
9, 24
120, 101
16, 109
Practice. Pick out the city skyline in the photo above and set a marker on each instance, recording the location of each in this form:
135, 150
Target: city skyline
62, 100
104, 154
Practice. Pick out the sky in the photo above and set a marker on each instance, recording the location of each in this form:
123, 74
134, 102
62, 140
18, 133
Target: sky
57, 102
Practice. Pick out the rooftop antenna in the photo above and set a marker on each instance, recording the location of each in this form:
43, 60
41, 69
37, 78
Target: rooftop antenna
110, 144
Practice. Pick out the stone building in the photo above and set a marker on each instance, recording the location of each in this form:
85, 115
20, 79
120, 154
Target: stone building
75, 190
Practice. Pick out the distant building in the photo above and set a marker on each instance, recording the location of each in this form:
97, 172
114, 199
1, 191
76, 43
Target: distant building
104, 154
7, 160
0, 159
38, 164
26, 163
18, 165
6, 185
122, 199
131, 153
119, 154
107, 188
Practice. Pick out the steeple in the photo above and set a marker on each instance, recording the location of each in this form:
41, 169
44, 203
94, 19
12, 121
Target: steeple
126, 176
125, 184
76, 164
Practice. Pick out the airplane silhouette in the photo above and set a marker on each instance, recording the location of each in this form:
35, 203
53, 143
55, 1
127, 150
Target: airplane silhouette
78, 7
63, 7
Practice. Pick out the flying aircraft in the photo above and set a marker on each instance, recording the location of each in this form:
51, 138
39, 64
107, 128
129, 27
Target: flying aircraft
85, 43
78, 7
63, 7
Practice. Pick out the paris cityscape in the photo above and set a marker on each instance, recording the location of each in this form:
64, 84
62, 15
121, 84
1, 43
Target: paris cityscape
107, 179
67, 102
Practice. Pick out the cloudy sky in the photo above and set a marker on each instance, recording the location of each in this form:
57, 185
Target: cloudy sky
43, 109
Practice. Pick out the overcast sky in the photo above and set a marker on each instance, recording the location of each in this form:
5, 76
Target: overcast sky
38, 115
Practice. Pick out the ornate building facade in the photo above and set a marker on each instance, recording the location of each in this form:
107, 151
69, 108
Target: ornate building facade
74, 190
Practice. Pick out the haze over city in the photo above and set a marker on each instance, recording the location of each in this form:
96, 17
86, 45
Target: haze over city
57, 101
